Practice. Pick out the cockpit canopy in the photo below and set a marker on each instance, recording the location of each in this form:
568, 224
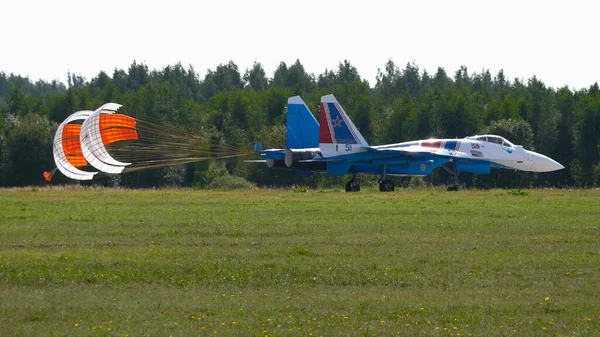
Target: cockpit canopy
492, 139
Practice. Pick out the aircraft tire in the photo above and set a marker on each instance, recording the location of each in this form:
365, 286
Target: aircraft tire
453, 188
352, 186
386, 186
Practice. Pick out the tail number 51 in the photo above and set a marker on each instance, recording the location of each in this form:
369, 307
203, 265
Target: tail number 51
348, 147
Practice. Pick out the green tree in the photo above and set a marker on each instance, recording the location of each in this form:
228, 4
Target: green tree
326, 80
62, 105
17, 102
275, 104
255, 77
458, 117
27, 150
586, 134
395, 126
385, 88
75, 81
294, 78
120, 80
137, 76
226, 77
565, 101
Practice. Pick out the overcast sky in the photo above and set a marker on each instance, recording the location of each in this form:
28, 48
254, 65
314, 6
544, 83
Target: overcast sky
558, 41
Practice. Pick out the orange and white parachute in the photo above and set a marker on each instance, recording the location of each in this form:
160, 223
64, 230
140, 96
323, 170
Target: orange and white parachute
104, 127
68, 155
110, 143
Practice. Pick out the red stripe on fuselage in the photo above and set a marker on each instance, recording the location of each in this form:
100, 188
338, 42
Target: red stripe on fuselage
432, 145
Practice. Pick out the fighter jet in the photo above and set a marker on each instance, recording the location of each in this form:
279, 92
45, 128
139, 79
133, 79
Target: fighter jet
336, 146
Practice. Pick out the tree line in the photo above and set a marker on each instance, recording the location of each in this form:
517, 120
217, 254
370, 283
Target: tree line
239, 107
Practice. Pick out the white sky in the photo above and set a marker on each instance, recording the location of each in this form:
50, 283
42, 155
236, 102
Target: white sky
558, 41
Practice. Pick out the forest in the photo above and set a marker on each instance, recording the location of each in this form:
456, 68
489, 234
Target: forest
240, 107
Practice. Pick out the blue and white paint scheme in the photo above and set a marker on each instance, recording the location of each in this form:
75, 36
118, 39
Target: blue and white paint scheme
342, 150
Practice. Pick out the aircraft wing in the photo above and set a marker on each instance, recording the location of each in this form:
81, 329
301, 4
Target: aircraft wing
393, 153
417, 150
403, 150
376, 153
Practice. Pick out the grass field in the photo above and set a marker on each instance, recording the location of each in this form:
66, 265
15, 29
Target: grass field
98, 262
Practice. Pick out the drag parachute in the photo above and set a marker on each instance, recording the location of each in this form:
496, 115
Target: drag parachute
68, 155
105, 142
101, 128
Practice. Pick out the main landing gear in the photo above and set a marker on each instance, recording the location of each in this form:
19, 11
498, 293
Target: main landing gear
454, 177
384, 184
353, 185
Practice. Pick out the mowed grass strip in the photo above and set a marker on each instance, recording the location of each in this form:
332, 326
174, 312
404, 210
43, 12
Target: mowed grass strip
102, 262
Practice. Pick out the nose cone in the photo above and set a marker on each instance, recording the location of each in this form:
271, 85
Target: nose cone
541, 163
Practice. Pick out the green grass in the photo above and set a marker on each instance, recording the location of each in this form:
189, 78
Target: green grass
98, 262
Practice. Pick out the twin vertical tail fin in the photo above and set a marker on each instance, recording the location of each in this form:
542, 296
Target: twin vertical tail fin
336, 128
302, 126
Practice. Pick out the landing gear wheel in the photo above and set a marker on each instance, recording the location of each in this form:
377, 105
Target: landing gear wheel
352, 186
386, 186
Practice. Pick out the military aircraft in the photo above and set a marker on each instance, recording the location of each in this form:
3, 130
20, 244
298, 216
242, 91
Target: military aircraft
336, 146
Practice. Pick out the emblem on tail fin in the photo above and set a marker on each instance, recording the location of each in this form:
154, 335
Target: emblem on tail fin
336, 127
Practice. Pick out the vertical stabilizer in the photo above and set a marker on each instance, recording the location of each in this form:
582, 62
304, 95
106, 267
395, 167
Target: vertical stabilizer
302, 126
337, 134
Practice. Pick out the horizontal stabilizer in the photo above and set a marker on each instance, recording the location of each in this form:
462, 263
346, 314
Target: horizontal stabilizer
338, 168
321, 160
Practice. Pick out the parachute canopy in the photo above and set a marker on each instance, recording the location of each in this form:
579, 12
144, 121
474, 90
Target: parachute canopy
68, 155
102, 141
102, 128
